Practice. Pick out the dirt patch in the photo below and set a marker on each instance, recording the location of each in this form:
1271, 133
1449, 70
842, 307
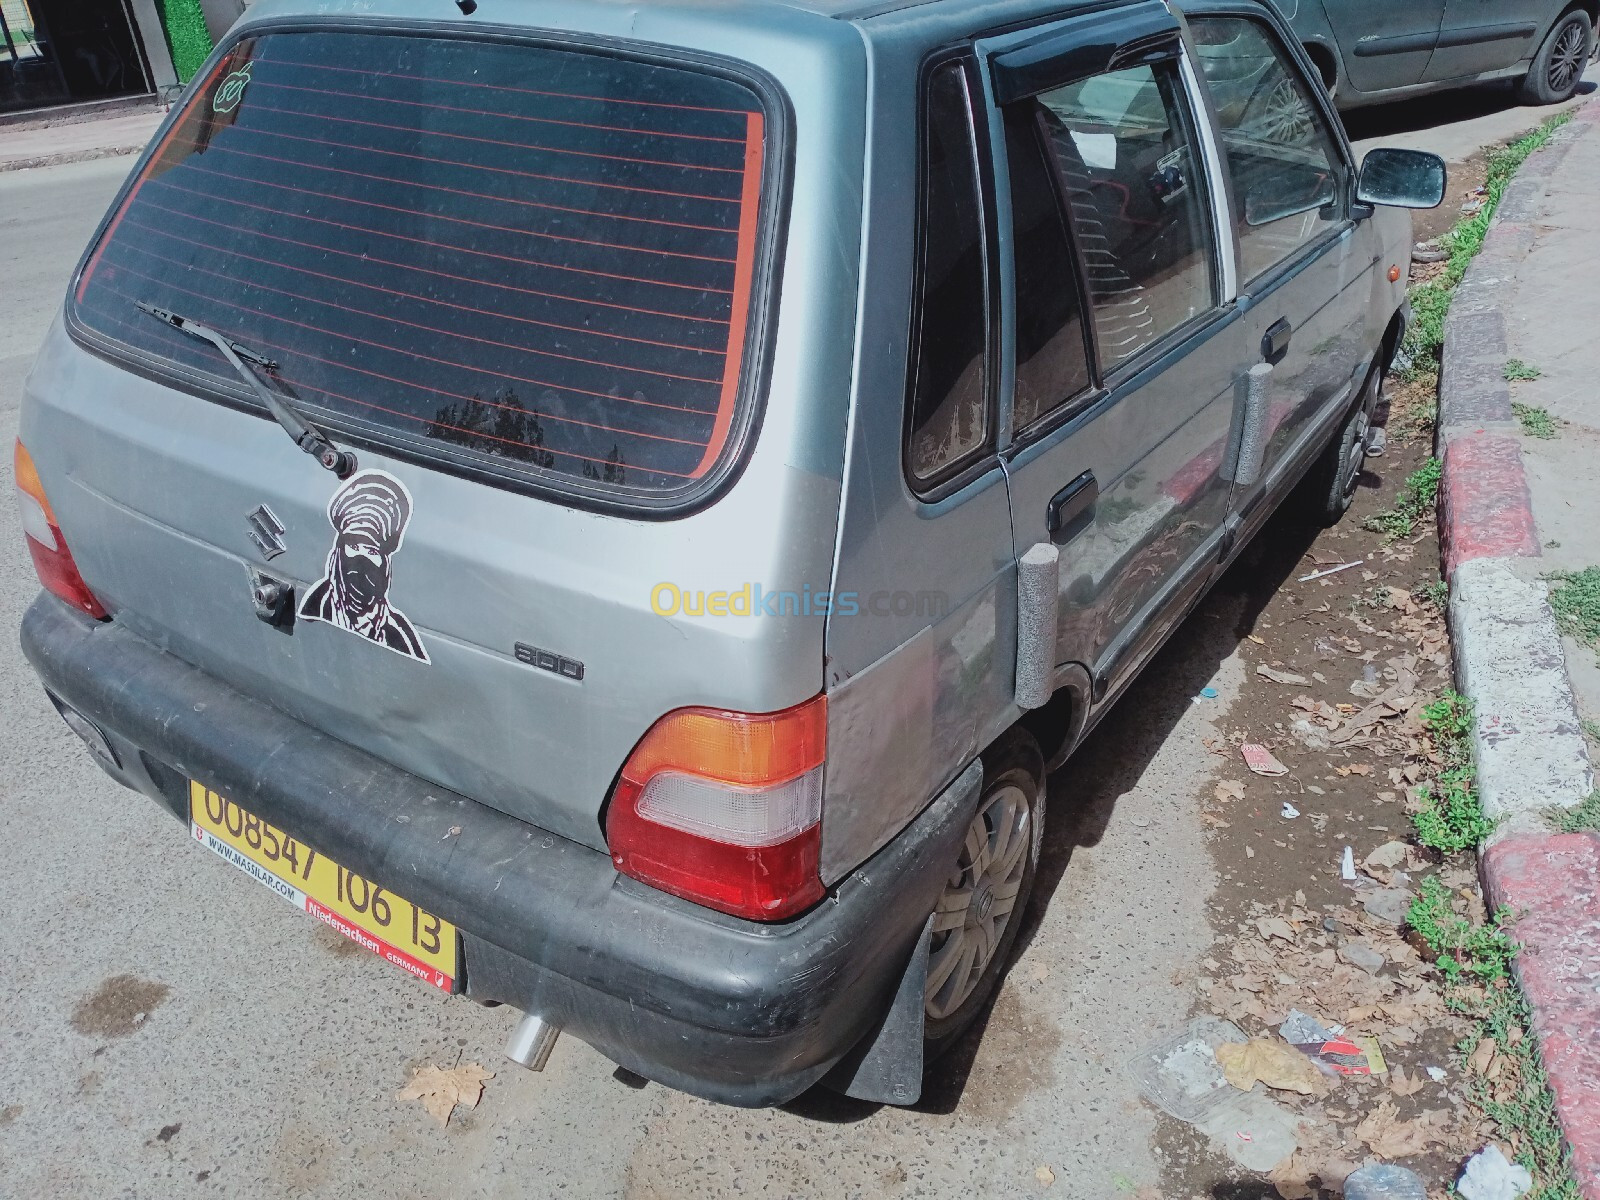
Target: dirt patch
118, 1007
1466, 180
1339, 670
1019, 1047
9, 1114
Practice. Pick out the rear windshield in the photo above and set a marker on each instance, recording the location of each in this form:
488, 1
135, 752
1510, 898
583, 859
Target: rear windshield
530, 260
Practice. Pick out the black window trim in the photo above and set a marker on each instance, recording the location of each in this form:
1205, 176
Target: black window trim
761, 325
1286, 43
1051, 418
961, 471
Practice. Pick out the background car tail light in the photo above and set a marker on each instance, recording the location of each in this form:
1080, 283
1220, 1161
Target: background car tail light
51, 558
725, 809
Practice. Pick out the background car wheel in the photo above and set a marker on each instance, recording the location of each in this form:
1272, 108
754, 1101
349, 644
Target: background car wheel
980, 910
1558, 67
1331, 483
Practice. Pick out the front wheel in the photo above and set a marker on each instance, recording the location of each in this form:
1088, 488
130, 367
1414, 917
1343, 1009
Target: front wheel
1331, 483
1558, 67
976, 920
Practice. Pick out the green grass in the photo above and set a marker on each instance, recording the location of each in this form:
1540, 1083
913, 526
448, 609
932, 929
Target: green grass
1451, 818
187, 37
1416, 497
1436, 593
1430, 302
1536, 422
1475, 960
1518, 371
1576, 600
1591, 730
1583, 818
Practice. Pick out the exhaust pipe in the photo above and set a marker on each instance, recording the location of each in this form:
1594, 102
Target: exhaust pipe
531, 1042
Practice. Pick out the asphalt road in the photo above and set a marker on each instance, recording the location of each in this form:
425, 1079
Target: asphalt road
170, 1029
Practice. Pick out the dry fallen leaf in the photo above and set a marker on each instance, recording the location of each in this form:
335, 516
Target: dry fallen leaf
1402, 1084
1274, 1063
1045, 1176
1275, 927
441, 1089
1482, 1056
1388, 1137
1230, 789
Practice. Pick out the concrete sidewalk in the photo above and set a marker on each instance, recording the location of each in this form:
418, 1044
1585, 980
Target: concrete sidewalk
101, 137
1512, 509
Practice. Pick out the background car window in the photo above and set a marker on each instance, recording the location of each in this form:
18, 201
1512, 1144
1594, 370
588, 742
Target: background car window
949, 392
1052, 359
1124, 156
1285, 168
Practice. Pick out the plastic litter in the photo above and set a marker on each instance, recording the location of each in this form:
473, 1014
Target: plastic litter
1329, 1048
1262, 761
1490, 1176
1384, 1181
1437, 1074
1347, 866
1332, 570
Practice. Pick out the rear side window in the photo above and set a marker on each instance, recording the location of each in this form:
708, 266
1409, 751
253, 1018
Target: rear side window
950, 364
537, 262
1123, 150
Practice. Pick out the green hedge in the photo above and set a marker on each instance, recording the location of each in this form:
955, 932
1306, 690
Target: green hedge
186, 36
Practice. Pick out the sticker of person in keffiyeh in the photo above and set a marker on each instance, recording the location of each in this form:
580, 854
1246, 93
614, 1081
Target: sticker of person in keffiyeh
369, 515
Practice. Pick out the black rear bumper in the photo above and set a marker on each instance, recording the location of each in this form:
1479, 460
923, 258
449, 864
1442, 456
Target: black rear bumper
727, 1009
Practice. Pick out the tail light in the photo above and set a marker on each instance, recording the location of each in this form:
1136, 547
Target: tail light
725, 809
51, 558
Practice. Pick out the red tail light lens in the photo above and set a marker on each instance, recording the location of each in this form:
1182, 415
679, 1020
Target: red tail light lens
725, 809
51, 558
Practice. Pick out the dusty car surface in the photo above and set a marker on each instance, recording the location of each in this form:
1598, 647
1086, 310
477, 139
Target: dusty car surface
1375, 50
732, 453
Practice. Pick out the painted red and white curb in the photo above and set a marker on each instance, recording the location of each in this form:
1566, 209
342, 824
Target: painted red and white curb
1528, 738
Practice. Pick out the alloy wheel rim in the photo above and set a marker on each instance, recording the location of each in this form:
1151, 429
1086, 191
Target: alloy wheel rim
1284, 119
978, 901
1567, 59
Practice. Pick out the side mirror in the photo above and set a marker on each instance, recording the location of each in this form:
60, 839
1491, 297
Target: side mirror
1402, 179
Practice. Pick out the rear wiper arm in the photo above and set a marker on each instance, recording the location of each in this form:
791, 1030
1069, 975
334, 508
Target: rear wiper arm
306, 435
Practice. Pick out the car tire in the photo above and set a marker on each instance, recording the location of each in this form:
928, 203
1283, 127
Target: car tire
1006, 833
1559, 65
1331, 483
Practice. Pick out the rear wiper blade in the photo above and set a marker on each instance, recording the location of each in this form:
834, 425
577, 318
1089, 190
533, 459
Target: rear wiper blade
306, 435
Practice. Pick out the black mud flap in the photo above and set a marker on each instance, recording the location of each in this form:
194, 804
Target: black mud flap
886, 1065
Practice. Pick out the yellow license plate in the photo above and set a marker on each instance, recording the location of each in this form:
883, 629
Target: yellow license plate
390, 926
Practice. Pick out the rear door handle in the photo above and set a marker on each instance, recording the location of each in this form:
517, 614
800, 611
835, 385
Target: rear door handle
1070, 504
1275, 341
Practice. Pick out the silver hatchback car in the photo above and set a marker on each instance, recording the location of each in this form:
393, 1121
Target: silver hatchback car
749, 445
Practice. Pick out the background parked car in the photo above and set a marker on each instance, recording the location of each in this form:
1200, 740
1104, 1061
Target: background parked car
1374, 50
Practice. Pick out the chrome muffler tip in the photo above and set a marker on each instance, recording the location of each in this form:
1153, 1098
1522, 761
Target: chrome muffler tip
531, 1042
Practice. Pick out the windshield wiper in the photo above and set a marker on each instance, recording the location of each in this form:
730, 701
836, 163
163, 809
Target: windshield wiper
306, 435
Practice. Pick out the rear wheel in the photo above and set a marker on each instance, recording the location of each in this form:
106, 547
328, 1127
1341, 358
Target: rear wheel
1331, 483
1558, 67
976, 920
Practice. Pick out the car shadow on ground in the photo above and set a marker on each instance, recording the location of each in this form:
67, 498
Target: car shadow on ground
1441, 108
1083, 795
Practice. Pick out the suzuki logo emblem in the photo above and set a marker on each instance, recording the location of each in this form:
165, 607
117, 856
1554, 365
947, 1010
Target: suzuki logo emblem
266, 531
